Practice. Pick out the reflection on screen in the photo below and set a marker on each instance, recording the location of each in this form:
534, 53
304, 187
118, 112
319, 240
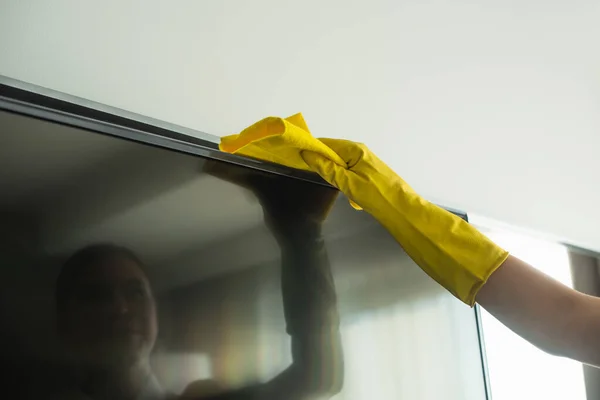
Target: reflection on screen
134, 272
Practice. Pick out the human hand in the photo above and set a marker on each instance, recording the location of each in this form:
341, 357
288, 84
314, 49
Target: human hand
366, 180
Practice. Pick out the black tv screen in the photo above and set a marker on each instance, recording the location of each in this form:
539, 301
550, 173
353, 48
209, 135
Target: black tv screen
141, 263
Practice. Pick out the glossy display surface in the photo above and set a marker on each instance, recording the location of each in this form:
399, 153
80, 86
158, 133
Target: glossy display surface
207, 314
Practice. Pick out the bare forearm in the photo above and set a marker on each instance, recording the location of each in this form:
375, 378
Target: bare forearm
551, 316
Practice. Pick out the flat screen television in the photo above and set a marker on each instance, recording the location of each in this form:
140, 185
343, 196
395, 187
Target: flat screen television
138, 261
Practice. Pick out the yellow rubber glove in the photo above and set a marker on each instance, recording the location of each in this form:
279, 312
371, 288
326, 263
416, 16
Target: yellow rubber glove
279, 141
446, 247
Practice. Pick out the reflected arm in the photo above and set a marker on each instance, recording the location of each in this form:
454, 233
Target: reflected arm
312, 320
294, 212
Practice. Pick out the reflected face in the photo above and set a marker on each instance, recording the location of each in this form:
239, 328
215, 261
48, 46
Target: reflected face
110, 319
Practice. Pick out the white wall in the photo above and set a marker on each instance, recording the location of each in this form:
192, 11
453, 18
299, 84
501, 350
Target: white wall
490, 107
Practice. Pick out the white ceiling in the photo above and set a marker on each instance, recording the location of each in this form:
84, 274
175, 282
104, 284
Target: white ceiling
489, 107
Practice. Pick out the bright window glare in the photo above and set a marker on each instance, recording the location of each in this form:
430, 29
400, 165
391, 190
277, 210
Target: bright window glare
517, 369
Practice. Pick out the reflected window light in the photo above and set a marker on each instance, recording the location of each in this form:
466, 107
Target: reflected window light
395, 352
518, 370
364, 363
177, 370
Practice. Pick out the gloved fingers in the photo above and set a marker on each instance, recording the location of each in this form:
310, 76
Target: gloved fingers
337, 176
350, 152
329, 170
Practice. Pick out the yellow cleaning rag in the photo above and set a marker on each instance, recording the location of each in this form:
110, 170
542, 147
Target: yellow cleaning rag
280, 141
